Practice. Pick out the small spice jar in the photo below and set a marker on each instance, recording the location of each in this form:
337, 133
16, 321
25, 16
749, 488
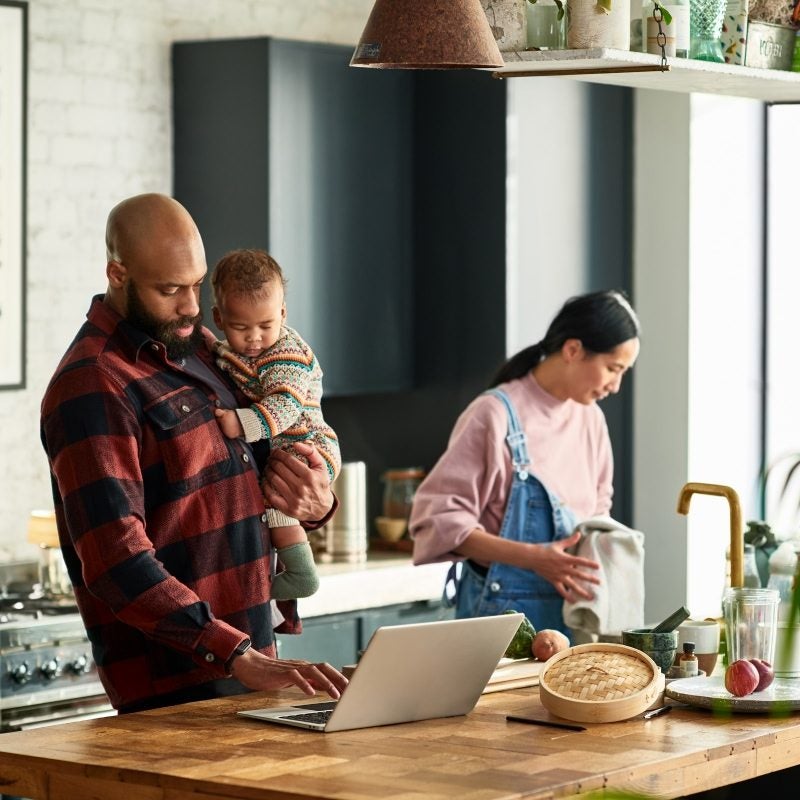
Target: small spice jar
688, 661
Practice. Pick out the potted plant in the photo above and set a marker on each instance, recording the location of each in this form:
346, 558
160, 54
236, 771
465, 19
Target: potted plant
598, 23
779, 488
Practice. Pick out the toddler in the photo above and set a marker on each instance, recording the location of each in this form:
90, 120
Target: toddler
279, 373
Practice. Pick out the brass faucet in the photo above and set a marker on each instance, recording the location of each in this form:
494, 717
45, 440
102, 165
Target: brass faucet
737, 532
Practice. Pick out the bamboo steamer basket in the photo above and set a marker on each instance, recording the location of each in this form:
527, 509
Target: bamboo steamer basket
600, 682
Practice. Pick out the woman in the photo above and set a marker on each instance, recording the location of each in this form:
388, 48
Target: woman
525, 462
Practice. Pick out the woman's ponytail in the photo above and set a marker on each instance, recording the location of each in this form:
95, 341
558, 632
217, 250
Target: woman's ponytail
520, 364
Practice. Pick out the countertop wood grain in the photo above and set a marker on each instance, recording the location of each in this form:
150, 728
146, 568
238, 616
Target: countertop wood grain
203, 750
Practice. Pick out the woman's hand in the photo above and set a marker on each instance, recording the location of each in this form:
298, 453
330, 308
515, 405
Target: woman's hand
258, 672
569, 574
298, 490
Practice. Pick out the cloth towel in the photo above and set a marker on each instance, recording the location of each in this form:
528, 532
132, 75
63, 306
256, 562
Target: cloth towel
619, 599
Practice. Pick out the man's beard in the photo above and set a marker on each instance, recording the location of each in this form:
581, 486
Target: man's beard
164, 332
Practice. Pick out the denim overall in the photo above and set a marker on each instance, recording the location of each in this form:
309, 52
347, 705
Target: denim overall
533, 514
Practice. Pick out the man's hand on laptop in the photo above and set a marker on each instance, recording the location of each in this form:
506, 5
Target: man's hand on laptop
257, 671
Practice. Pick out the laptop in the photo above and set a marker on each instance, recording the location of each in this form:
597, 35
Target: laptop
408, 673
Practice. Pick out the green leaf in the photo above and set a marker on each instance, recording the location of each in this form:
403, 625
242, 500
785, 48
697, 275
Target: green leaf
605, 5
666, 16
560, 5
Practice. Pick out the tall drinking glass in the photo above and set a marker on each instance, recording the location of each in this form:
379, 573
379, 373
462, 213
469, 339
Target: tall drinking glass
751, 621
705, 26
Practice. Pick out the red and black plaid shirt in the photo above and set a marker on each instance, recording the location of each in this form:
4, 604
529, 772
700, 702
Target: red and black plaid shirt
160, 516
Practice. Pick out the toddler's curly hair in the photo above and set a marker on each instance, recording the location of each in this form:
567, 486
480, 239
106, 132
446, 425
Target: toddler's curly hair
247, 272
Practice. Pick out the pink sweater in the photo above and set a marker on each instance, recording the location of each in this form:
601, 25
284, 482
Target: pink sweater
568, 446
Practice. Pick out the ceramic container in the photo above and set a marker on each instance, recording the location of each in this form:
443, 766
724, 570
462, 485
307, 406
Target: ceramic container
769, 46
704, 633
661, 647
592, 25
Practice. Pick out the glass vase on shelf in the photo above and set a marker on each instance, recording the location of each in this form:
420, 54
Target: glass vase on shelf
547, 24
705, 24
752, 580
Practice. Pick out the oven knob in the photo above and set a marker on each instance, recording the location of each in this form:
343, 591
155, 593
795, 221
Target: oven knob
50, 669
21, 673
80, 666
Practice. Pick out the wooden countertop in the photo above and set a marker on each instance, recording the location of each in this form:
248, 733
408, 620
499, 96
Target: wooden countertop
202, 751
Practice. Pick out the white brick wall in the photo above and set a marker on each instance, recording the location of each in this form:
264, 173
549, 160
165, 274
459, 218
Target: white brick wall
99, 130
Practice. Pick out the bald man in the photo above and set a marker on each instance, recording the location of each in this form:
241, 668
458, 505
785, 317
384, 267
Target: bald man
161, 517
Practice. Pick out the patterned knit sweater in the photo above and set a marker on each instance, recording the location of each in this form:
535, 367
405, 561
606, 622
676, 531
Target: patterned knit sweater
285, 385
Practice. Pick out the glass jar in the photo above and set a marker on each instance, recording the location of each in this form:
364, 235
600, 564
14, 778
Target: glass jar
752, 579
547, 25
400, 485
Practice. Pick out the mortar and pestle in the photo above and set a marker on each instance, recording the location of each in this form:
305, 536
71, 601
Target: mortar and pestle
659, 642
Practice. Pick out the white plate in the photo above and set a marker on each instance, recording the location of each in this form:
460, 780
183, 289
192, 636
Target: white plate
782, 695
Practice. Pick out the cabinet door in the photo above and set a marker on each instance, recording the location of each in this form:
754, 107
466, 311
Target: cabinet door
405, 614
340, 222
333, 638
282, 146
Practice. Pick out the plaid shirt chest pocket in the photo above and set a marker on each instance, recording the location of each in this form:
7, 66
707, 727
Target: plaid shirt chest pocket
183, 437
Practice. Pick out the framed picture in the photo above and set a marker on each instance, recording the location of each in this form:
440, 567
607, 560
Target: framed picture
13, 89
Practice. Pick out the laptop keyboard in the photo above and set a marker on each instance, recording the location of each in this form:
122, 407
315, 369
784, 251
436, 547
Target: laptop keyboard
320, 717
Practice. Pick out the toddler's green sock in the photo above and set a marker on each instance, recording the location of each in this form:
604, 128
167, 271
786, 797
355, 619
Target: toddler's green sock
299, 577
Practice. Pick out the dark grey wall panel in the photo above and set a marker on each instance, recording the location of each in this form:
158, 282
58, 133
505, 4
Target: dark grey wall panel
609, 194
282, 146
220, 131
459, 276
340, 221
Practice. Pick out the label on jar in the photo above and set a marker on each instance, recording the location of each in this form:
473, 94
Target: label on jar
689, 667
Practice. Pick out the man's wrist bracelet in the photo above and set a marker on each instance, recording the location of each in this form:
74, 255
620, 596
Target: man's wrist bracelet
240, 650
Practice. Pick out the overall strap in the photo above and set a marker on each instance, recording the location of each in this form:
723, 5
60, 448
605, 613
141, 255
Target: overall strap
516, 439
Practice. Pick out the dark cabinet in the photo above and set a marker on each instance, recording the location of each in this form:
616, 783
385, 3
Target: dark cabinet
338, 638
281, 145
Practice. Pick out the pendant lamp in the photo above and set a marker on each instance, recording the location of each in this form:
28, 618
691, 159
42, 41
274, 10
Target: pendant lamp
427, 34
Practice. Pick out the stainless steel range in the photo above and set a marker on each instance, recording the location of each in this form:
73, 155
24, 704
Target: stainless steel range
47, 673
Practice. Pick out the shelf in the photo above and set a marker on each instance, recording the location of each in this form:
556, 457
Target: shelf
641, 71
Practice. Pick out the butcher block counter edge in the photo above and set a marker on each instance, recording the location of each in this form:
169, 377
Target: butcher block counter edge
203, 750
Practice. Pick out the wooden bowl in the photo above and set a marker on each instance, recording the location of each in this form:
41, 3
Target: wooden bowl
600, 682
391, 528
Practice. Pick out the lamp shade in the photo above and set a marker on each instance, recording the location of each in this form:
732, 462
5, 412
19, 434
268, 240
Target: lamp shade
42, 529
427, 34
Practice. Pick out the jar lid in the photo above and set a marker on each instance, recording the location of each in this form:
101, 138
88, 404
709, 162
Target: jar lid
409, 473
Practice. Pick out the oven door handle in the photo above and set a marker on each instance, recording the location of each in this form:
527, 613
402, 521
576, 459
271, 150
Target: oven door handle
40, 721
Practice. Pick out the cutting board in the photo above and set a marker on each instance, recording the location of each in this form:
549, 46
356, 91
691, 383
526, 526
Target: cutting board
514, 673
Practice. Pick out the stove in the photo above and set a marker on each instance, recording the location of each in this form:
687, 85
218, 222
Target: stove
47, 673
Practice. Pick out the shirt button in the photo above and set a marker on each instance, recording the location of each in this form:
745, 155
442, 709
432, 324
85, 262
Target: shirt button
209, 657
185, 409
263, 517
245, 458
218, 403
154, 346
494, 586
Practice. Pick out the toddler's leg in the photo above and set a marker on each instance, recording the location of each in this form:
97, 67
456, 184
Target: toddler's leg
299, 577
